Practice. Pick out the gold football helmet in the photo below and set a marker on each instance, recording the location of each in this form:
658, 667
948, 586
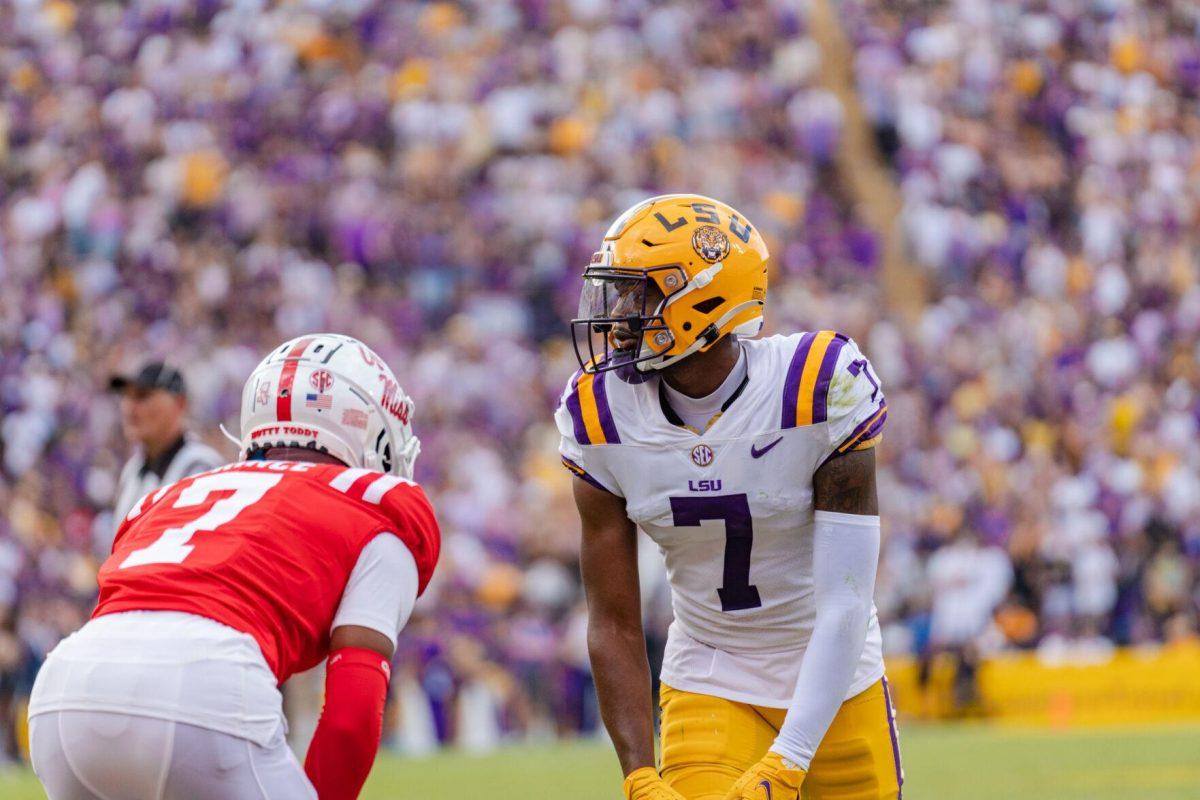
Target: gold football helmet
676, 272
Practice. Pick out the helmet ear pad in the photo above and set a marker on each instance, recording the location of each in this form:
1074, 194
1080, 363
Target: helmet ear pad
705, 313
384, 454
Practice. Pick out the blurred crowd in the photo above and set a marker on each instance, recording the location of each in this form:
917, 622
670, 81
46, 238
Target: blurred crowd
201, 180
1045, 463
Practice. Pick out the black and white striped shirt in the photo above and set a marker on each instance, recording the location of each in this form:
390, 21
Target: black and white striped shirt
140, 476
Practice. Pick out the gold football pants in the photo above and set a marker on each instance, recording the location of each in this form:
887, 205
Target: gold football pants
707, 742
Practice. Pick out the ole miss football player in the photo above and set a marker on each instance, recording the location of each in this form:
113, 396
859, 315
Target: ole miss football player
221, 586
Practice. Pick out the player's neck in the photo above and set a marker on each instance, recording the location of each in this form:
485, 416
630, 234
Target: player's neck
301, 454
701, 374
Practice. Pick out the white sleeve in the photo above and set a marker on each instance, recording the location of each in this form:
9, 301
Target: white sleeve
382, 588
845, 556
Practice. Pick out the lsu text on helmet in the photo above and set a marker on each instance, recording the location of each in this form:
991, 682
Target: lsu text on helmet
702, 257
333, 394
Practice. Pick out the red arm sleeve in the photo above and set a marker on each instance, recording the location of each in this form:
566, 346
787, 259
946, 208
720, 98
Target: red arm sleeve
347, 736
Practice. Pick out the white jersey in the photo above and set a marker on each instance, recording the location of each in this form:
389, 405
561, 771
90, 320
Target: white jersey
731, 508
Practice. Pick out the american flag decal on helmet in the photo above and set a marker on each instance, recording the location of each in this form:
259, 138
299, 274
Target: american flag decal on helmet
318, 401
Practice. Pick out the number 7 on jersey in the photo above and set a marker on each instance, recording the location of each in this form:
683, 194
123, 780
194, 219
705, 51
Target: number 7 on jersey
175, 543
736, 591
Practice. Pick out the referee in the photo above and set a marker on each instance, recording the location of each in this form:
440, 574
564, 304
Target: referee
153, 407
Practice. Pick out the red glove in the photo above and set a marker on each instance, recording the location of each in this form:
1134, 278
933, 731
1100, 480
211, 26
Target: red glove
343, 748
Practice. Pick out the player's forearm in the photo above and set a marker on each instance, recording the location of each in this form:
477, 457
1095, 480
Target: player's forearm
845, 553
825, 677
347, 737
622, 673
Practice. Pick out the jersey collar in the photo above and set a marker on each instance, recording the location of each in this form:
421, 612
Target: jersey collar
674, 418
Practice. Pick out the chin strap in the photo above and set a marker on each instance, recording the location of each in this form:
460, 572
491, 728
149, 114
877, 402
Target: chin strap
701, 341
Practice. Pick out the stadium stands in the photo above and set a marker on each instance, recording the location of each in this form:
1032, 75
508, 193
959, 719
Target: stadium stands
204, 180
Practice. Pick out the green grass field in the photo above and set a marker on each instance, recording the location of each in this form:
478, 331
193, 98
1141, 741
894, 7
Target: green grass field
959, 762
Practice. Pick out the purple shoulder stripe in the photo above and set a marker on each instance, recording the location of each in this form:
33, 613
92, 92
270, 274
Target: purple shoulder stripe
791, 385
868, 429
581, 434
602, 408
581, 473
825, 377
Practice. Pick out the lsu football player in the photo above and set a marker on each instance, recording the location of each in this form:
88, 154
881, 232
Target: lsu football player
750, 463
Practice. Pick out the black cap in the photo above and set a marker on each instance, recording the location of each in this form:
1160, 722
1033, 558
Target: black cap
154, 375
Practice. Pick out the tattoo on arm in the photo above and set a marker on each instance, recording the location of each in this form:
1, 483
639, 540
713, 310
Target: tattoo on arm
846, 484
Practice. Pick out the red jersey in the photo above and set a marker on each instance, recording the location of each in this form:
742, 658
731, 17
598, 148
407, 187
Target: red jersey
265, 547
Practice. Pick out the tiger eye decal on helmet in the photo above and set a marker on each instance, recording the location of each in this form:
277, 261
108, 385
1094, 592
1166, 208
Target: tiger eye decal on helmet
674, 275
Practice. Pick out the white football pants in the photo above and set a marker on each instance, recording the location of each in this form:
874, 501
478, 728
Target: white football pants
99, 755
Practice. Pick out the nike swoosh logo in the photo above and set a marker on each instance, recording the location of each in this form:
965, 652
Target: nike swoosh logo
767, 784
756, 453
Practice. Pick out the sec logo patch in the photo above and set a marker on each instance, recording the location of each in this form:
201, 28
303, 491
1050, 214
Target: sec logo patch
321, 380
702, 455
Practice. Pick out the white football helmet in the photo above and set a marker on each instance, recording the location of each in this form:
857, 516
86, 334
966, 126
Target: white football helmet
333, 394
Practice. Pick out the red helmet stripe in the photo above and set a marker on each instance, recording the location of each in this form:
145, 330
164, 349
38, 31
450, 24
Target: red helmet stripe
283, 400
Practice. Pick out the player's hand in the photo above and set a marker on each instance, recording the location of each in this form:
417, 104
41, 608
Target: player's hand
772, 778
647, 784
